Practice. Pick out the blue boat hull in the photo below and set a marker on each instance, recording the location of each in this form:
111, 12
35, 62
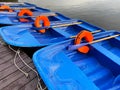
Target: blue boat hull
25, 36
62, 69
10, 18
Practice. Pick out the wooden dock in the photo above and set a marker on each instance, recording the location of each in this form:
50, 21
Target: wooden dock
10, 77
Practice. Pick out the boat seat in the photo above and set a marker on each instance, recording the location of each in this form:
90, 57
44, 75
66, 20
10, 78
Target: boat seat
68, 72
109, 60
63, 33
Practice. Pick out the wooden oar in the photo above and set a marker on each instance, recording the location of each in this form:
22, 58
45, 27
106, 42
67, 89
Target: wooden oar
64, 25
18, 8
96, 31
45, 14
74, 47
2, 13
61, 25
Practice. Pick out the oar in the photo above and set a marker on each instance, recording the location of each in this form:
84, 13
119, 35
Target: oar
56, 26
64, 25
74, 47
2, 13
96, 31
18, 8
45, 14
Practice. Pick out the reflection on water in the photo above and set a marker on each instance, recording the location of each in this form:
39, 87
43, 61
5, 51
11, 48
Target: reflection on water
103, 13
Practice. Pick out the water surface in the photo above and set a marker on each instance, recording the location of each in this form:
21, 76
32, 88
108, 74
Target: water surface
103, 13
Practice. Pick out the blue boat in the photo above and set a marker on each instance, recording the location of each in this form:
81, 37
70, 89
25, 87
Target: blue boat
15, 6
28, 36
63, 69
12, 18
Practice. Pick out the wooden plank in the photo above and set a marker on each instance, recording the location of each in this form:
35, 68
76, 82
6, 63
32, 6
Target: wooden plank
13, 77
10, 62
10, 77
4, 48
11, 70
21, 82
31, 85
5, 56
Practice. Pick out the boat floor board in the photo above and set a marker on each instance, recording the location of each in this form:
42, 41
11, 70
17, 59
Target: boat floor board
10, 77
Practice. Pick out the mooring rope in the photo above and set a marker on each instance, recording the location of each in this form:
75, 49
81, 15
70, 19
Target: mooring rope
17, 52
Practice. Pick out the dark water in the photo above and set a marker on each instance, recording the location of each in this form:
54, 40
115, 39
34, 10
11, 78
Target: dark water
103, 13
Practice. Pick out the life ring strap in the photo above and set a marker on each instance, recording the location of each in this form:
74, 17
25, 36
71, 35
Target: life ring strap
83, 35
46, 23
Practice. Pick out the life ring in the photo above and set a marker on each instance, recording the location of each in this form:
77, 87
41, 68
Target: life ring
24, 12
5, 7
87, 36
46, 22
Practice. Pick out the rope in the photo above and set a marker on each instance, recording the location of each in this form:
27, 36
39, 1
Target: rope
17, 52
39, 87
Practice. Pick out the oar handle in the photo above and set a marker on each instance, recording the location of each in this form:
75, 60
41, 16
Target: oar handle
61, 25
74, 47
102, 39
64, 25
96, 31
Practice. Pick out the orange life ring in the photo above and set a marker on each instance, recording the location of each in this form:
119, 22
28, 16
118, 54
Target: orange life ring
46, 22
5, 7
87, 36
25, 12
